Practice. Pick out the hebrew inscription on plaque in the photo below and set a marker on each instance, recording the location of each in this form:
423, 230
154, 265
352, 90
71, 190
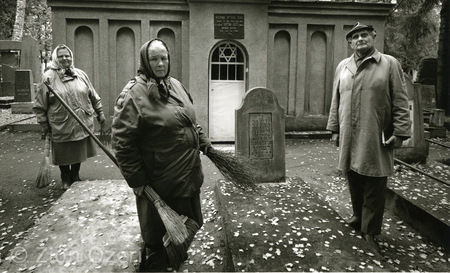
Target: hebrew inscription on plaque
228, 26
261, 139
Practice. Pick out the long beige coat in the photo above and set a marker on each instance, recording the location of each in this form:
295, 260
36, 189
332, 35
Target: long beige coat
77, 91
367, 101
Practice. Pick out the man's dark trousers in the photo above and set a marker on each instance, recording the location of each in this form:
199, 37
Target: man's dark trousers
368, 196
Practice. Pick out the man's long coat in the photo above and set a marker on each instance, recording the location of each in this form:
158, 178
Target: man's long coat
367, 101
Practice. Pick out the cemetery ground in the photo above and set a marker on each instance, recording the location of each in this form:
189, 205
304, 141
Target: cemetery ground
297, 225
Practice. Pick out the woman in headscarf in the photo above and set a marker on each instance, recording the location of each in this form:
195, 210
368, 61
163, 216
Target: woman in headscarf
71, 145
157, 142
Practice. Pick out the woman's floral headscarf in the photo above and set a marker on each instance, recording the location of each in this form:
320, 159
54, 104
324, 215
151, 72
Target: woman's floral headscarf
56, 65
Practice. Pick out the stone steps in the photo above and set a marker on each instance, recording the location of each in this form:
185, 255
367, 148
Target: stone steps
5, 102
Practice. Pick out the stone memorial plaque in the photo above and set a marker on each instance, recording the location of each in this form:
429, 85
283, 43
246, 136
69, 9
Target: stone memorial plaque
260, 134
24, 86
228, 26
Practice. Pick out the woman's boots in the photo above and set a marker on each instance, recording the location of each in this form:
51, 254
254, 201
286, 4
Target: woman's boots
153, 259
69, 174
75, 172
65, 176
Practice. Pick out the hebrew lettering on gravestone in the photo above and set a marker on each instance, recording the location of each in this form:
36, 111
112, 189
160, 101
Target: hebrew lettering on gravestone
260, 134
261, 140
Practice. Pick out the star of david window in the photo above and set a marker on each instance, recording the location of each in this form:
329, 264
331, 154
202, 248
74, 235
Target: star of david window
227, 63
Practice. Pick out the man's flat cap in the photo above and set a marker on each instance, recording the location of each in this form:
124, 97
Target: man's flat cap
357, 27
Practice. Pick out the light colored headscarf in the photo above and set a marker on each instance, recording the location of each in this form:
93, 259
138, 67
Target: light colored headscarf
56, 65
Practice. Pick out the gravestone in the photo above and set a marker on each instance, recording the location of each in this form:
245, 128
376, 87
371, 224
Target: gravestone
428, 93
260, 134
428, 72
30, 56
436, 123
8, 74
9, 62
415, 149
24, 93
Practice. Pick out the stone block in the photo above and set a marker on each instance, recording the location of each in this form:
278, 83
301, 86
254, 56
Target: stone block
415, 149
24, 86
437, 132
22, 108
8, 74
428, 94
437, 118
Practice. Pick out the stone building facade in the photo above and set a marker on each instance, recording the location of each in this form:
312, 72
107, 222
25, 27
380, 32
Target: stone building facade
220, 49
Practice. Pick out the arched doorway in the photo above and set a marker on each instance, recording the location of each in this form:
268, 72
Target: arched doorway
227, 83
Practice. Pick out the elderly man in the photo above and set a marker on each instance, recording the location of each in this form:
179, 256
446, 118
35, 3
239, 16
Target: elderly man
369, 118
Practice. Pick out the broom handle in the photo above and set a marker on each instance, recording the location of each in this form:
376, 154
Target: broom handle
110, 155
151, 194
47, 146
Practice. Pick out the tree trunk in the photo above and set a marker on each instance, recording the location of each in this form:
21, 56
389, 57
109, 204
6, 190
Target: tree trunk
20, 19
443, 66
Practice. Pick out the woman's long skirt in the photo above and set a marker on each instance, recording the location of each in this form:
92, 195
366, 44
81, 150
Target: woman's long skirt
72, 152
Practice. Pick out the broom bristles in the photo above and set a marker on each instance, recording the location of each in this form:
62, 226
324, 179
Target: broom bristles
178, 254
44, 175
172, 221
239, 170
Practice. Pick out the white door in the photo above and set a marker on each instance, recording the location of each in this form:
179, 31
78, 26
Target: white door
226, 90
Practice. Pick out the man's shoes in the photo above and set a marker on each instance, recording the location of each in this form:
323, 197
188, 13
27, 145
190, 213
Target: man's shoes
373, 244
355, 223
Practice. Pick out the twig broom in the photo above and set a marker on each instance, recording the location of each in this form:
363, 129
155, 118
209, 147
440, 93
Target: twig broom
239, 170
44, 175
178, 254
172, 221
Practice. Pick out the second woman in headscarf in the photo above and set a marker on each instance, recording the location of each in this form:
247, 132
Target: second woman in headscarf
71, 145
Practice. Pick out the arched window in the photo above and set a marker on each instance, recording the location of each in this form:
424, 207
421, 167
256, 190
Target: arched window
227, 63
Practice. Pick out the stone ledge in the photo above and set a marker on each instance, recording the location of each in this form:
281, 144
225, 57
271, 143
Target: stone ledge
92, 227
419, 218
308, 134
23, 127
287, 227
22, 108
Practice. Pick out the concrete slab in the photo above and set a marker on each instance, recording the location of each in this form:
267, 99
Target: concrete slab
427, 222
287, 227
93, 227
